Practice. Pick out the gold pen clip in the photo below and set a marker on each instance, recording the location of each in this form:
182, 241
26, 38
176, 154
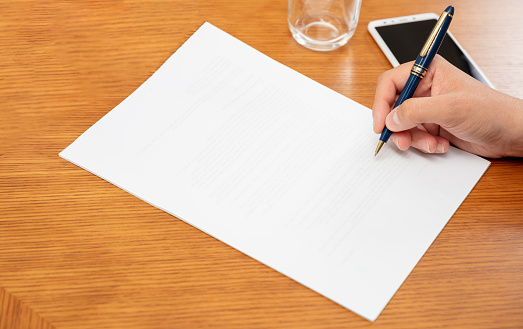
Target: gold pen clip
433, 35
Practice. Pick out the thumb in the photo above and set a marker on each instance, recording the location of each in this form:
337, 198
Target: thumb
415, 111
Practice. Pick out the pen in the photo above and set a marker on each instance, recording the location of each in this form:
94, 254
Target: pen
421, 65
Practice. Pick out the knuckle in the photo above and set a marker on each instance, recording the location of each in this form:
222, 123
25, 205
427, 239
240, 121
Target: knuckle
382, 77
387, 75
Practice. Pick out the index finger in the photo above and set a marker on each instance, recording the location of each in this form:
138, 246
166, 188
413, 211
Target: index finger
390, 83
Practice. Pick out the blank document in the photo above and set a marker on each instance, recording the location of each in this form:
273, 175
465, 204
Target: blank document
280, 168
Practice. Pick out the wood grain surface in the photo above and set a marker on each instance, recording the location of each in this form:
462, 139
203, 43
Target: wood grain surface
78, 252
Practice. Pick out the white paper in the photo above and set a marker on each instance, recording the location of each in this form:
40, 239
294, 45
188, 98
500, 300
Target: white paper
280, 168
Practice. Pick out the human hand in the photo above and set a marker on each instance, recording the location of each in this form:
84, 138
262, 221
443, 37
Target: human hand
449, 107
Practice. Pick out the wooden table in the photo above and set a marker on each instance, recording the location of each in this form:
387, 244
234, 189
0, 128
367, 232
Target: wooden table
78, 252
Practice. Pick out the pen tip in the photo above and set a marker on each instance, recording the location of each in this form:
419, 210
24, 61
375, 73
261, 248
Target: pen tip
450, 10
378, 148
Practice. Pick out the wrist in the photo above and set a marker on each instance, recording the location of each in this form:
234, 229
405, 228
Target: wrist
515, 128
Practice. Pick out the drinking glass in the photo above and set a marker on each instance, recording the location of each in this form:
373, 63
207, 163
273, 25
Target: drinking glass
323, 24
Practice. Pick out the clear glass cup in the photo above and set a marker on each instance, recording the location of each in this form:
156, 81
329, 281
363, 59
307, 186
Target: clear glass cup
323, 24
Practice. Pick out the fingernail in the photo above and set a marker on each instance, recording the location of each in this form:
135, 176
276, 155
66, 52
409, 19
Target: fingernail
395, 117
425, 146
440, 148
394, 140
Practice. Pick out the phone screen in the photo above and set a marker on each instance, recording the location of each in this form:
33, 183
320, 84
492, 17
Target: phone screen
406, 40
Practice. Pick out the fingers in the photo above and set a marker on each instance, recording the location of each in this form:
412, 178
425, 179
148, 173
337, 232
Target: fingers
438, 110
401, 139
427, 142
407, 118
421, 140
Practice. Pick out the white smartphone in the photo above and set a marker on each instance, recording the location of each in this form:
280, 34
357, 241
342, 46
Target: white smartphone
401, 40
